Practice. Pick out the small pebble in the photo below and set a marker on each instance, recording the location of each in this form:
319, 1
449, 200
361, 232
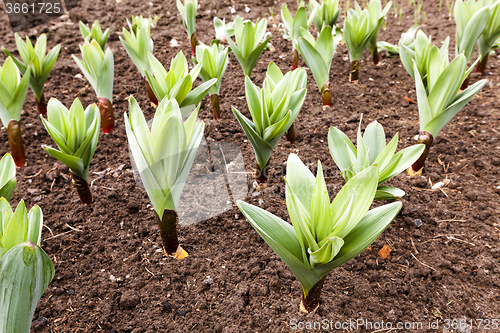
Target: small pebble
112, 278
208, 281
254, 194
261, 202
418, 222
437, 186
71, 292
39, 323
166, 306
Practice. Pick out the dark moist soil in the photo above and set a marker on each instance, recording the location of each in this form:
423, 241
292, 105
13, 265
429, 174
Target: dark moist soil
110, 273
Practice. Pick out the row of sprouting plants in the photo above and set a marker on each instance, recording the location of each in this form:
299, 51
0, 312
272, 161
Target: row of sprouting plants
324, 234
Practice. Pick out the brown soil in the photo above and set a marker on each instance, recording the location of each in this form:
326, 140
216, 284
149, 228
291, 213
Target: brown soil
110, 273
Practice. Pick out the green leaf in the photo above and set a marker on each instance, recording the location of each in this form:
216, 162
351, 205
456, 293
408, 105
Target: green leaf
374, 140
435, 67
35, 223
25, 273
250, 62
447, 85
409, 156
314, 61
321, 213
8, 188
276, 129
105, 77
388, 193
340, 146
300, 178
195, 96
7, 176
17, 229
154, 191
261, 148
247, 39
362, 236
252, 93
72, 162
362, 186
327, 252
424, 109
466, 43
407, 55
459, 101
301, 219
190, 18
281, 237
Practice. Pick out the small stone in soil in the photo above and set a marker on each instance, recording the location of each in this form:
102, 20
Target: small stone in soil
208, 281
38, 323
418, 222
133, 206
166, 306
71, 292
437, 186
182, 312
129, 300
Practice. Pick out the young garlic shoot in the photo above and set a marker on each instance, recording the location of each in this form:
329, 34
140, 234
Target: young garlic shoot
407, 39
420, 54
250, 41
273, 108
40, 63
213, 60
377, 17
442, 100
98, 68
471, 17
372, 150
177, 82
318, 55
188, 14
323, 235
325, 13
221, 27
360, 31
291, 27
13, 91
138, 43
25, 269
95, 33
489, 36
75, 133
7, 176
164, 155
